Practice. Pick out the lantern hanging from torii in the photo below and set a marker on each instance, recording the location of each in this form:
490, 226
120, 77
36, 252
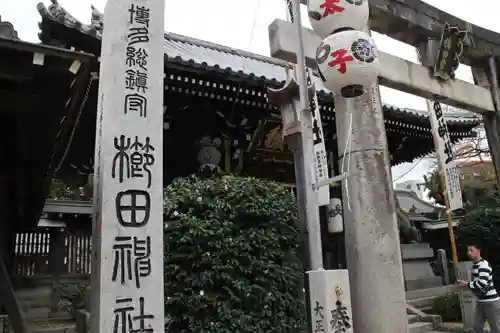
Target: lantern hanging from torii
348, 60
328, 16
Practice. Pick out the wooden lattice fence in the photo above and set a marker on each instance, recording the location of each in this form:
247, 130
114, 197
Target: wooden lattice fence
32, 253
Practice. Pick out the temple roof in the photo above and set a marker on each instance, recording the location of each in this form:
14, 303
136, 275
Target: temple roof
410, 203
198, 54
223, 74
7, 30
40, 95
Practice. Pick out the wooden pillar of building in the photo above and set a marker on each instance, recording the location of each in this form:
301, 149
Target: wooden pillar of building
56, 264
7, 238
8, 298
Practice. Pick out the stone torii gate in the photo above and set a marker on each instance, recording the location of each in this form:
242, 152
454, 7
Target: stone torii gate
376, 305
414, 23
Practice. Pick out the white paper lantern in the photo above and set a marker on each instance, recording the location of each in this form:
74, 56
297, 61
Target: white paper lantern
328, 16
348, 62
335, 220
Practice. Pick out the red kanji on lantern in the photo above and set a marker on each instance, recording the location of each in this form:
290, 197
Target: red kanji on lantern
331, 7
340, 59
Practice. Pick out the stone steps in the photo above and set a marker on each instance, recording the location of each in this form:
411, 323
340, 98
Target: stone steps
51, 326
416, 327
421, 322
430, 292
422, 303
412, 318
35, 302
36, 313
420, 327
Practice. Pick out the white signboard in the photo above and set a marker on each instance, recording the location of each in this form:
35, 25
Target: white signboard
444, 150
128, 221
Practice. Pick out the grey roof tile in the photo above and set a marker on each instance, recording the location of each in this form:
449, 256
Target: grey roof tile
214, 55
204, 54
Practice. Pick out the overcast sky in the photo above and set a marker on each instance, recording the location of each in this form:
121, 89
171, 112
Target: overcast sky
243, 24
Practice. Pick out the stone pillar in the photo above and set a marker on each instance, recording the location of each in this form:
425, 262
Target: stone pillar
127, 271
467, 299
442, 266
487, 77
372, 237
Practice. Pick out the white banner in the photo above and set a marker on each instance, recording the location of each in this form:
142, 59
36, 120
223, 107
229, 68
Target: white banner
444, 150
320, 170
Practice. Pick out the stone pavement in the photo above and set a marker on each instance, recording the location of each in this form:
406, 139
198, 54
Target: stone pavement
459, 327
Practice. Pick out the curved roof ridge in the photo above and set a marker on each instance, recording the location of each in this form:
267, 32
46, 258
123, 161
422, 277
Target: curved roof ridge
7, 30
57, 12
414, 196
205, 54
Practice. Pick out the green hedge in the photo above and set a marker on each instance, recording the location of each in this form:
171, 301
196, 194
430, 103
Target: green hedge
481, 226
72, 297
448, 307
232, 261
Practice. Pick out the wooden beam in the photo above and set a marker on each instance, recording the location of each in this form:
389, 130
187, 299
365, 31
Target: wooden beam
77, 94
19, 66
68, 207
9, 300
415, 21
45, 49
19, 102
396, 73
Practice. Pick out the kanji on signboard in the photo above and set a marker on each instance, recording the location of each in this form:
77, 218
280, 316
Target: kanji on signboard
140, 15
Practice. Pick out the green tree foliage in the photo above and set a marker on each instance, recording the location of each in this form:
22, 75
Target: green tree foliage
477, 181
481, 226
72, 297
59, 190
432, 182
232, 260
448, 307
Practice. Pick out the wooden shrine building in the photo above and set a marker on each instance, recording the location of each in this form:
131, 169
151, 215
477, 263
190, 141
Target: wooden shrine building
41, 90
215, 96
215, 99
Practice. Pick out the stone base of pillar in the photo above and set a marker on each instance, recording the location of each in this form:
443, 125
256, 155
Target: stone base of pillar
82, 321
330, 297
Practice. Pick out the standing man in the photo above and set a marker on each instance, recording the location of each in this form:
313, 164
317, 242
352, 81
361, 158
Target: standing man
488, 302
